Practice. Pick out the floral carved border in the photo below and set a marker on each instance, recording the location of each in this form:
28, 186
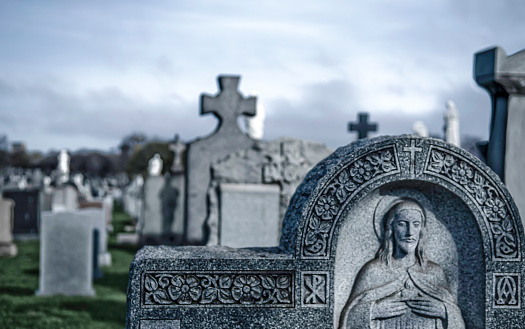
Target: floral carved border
319, 225
498, 216
241, 289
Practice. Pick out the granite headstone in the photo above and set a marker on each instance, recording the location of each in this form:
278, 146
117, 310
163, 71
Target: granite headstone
281, 163
7, 247
26, 212
227, 106
391, 232
66, 254
504, 78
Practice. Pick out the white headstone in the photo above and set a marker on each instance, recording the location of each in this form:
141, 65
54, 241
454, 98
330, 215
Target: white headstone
420, 129
451, 117
66, 254
155, 165
7, 247
63, 166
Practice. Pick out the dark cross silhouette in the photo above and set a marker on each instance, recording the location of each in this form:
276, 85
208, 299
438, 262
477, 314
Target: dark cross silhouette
228, 104
362, 127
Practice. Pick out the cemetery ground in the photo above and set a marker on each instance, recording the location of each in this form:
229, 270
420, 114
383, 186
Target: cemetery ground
21, 308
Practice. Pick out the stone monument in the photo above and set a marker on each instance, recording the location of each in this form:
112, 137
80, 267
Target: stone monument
504, 78
393, 232
62, 171
227, 106
451, 128
420, 129
7, 247
66, 255
155, 166
362, 127
276, 168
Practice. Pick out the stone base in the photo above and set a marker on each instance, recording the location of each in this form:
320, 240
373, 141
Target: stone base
128, 238
8, 250
104, 259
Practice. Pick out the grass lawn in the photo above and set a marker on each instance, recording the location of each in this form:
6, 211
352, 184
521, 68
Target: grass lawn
20, 308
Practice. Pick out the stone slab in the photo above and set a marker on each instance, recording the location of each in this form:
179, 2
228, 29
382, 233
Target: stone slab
227, 106
26, 211
66, 255
249, 215
348, 247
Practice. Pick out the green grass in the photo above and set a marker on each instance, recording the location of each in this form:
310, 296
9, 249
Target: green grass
20, 308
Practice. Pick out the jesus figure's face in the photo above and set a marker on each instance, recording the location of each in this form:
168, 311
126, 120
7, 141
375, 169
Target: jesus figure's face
407, 227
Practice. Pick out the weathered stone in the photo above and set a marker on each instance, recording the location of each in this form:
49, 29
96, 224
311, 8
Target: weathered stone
65, 198
7, 247
26, 212
227, 105
66, 254
249, 215
504, 78
467, 264
283, 162
97, 216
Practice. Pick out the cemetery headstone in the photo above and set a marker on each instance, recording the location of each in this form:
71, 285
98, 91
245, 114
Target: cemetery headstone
282, 163
420, 129
503, 77
62, 171
97, 215
451, 128
66, 254
227, 106
152, 220
26, 212
65, 198
249, 215
7, 247
393, 232
363, 127
177, 147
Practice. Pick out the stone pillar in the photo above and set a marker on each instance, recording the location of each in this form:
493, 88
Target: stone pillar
504, 78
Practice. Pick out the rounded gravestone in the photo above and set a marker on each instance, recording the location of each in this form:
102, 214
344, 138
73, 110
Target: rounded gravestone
473, 233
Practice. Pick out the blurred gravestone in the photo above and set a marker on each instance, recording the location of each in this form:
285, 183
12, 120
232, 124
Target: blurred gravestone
227, 106
362, 127
66, 254
504, 78
97, 215
65, 198
7, 247
26, 212
277, 167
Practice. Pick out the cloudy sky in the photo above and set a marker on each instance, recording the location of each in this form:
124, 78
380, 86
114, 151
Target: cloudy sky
85, 74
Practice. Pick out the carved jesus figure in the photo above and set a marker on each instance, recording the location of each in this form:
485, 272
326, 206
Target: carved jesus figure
400, 287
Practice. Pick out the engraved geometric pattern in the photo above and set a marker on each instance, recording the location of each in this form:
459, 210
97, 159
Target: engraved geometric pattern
241, 289
314, 289
499, 218
507, 290
345, 183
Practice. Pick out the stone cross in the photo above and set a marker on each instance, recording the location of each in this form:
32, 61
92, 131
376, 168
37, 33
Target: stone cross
177, 147
362, 127
228, 104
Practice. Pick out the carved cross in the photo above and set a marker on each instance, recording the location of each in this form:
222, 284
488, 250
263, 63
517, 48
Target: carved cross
412, 149
362, 127
228, 104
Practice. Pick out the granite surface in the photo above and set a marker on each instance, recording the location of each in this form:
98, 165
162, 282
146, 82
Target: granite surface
468, 263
